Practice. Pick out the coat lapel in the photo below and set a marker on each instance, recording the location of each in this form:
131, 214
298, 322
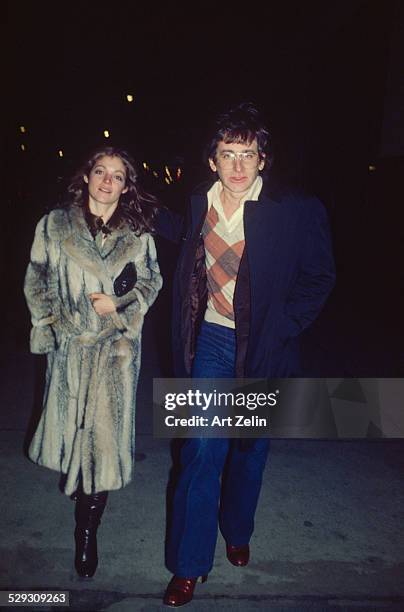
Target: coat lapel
262, 235
199, 209
80, 246
118, 245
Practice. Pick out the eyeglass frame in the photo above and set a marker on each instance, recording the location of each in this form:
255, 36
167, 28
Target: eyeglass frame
241, 157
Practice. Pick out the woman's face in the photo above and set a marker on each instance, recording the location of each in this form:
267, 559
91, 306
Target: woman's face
106, 180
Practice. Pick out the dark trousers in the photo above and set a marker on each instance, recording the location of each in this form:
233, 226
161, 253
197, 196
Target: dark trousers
203, 501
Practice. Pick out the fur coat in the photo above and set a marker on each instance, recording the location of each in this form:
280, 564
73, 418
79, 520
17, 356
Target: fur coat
87, 426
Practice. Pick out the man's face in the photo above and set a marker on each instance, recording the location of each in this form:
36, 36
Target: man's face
237, 165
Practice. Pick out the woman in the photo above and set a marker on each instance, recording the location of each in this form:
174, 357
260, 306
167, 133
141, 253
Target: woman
93, 275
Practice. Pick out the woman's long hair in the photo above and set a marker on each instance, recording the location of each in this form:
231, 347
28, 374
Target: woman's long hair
136, 207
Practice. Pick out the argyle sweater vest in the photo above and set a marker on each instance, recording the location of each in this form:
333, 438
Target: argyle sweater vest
223, 251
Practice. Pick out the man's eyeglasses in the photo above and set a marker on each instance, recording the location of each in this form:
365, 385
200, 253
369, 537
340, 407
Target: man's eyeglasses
247, 158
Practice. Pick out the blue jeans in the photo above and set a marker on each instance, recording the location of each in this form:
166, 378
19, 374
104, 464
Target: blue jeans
201, 501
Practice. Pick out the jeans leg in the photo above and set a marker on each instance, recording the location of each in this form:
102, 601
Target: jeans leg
193, 534
241, 489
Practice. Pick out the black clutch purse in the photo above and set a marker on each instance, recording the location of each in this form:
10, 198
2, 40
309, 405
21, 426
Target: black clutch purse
126, 280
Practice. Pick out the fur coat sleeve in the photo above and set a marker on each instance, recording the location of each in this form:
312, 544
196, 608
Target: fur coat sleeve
40, 286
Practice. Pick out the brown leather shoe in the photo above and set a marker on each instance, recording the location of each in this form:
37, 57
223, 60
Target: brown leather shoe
180, 591
238, 555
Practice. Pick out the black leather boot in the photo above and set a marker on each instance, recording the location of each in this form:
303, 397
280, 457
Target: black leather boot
89, 510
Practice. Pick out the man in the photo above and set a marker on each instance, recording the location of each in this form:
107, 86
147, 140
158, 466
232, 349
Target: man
255, 269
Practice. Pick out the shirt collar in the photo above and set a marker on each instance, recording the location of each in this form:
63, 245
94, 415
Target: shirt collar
252, 194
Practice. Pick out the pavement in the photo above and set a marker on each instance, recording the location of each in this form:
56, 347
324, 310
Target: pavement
329, 526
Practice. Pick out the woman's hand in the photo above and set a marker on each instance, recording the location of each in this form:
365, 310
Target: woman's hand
102, 304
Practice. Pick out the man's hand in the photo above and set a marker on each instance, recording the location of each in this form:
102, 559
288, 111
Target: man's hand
102, 304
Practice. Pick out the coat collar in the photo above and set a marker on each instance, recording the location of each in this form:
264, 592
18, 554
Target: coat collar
79, 225
271, 194
79, 245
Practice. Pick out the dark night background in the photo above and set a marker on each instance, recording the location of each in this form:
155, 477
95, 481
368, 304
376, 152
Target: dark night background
328, 77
